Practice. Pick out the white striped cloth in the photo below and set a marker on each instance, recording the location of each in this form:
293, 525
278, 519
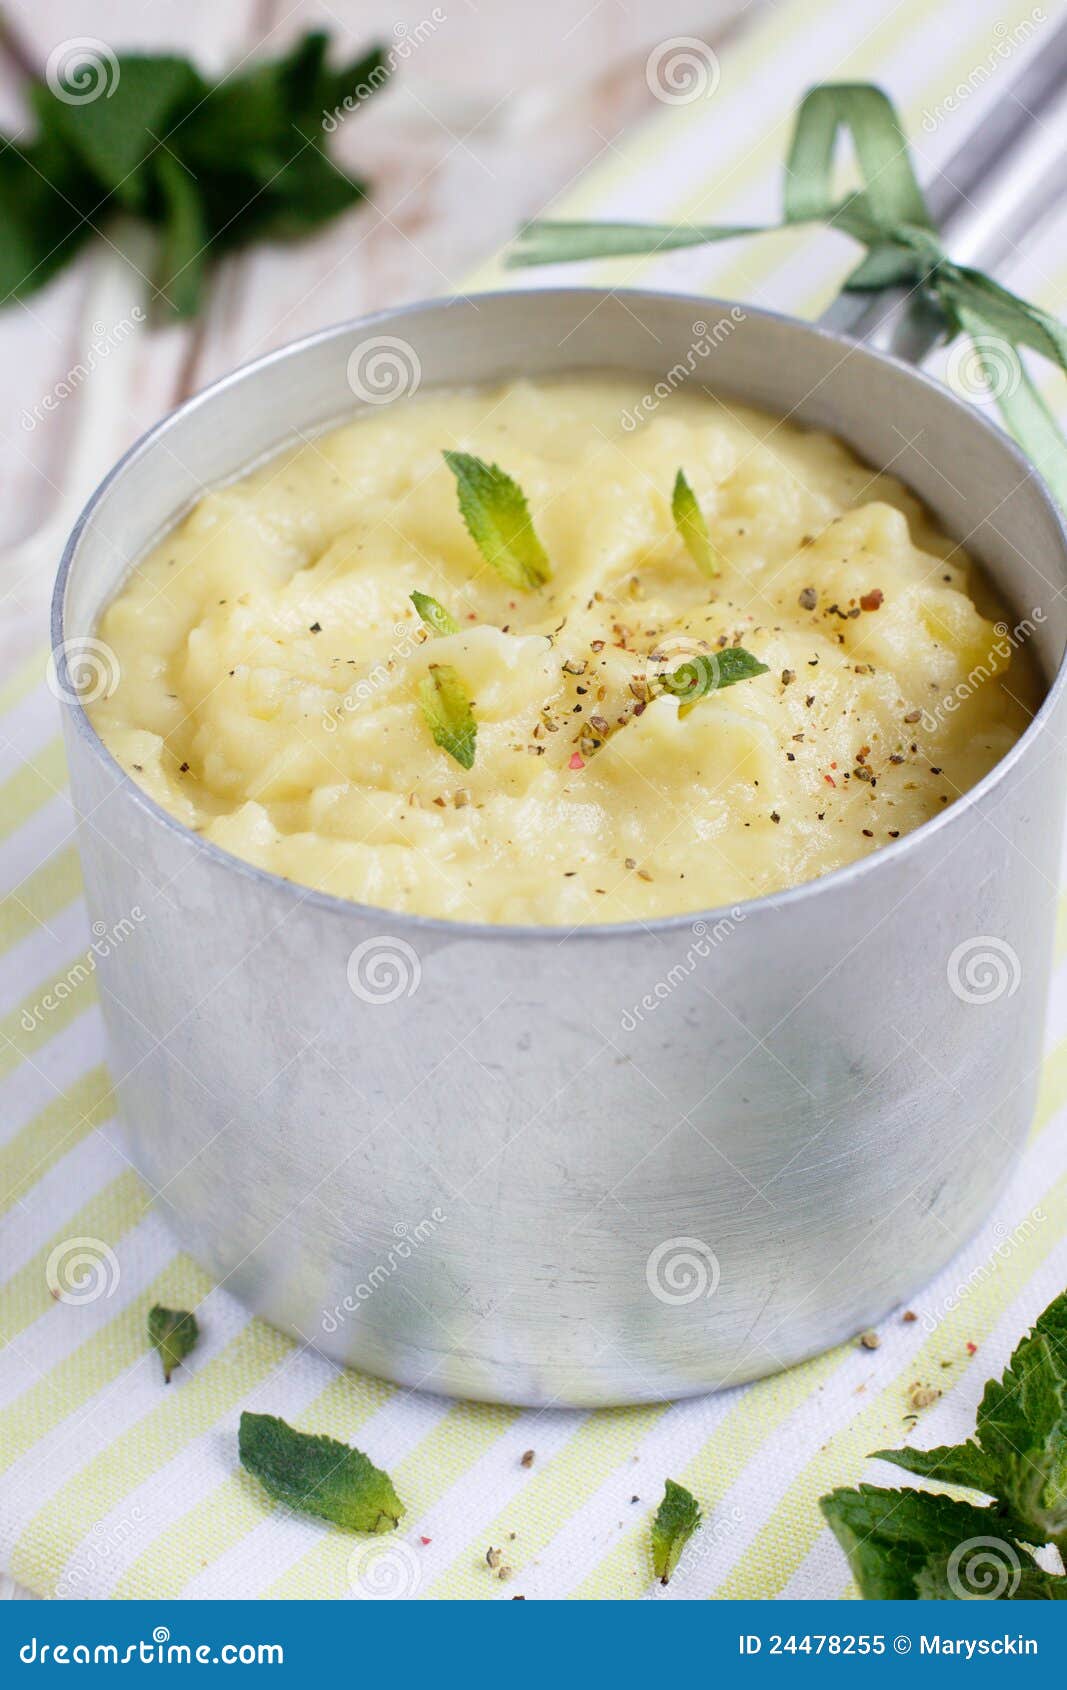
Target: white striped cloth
111, 1485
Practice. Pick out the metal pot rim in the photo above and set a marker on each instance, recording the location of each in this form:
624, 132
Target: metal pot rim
443, 927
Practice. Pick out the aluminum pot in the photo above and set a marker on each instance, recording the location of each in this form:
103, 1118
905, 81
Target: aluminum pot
600, 1166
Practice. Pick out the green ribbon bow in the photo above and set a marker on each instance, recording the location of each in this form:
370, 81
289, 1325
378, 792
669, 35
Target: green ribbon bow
890, 217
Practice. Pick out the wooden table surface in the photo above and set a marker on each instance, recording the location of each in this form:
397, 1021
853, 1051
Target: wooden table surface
494, 108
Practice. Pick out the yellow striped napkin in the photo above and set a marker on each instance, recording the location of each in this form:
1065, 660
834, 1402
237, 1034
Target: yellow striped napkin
111, 1485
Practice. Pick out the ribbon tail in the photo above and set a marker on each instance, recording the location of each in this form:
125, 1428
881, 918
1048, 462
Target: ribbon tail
1029, 420
546, 242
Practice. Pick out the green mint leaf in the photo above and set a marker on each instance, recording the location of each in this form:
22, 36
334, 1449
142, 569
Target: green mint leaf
212, 166
343, 89
258, 144
690, 523
1022, 1428
448, 713
497, 518
677, 1518
318, 1475
925, 1545
304, 192
893, 1537
45, 199
114, 134
707, 673
988, 1570
434, 615
173, 1332
952, 1464
183, 252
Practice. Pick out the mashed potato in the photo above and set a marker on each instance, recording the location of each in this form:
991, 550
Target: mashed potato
270, 659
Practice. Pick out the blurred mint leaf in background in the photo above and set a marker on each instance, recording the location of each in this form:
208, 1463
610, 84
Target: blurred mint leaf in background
211, 165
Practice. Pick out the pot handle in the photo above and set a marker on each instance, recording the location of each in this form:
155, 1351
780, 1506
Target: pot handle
990, 195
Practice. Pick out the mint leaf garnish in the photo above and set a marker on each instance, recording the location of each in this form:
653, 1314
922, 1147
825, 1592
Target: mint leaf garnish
434, 615
173, 1332
690, 523
318, 1475
448, 713
211, 166
708, 672
677, 1518
922, 1545
497, 517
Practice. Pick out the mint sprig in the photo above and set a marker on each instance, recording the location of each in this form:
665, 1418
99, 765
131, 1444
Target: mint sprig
448, 713
318, 1475
173, 1333
434, 616
210, 165
498, 520
922, 1545
889, 216
691, 524
677, 1518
